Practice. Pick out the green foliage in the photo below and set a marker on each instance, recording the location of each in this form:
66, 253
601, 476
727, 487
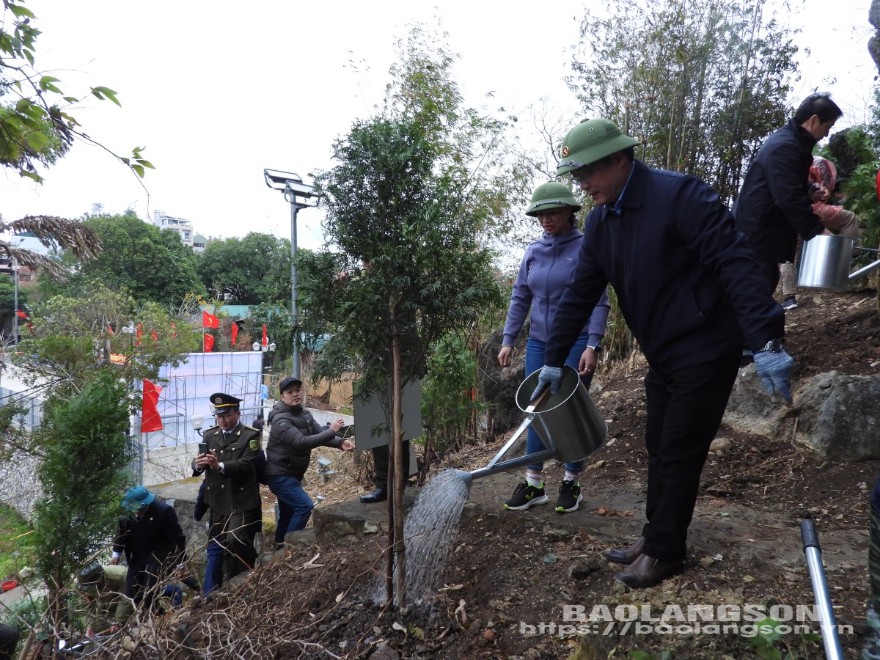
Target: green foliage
153, 265
857, 149
7, 296
278, 327
84, 442
36, 126
72, 336
16, 543
701, 84
448, 405
252, 270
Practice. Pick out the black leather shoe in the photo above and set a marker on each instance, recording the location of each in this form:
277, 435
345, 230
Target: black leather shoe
626, 555
378, 495
646, 572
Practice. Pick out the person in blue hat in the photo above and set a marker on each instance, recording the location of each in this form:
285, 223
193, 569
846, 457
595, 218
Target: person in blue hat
232, 490
152, 542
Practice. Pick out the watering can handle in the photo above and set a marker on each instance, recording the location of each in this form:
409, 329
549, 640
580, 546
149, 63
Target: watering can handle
534, 403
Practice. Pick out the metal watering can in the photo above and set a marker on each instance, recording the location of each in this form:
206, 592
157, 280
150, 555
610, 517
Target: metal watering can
825, 263
567, 422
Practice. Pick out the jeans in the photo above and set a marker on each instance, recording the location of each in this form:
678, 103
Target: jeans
294, 505
213, 567
174, 593
534, 361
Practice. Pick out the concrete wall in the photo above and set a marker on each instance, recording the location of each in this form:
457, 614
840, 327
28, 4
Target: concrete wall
19, 487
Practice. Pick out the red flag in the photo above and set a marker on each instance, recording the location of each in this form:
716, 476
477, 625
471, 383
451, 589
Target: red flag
150, 420
138, 333
265, 341
154, 335
173, 329
210, 321
109, 329
209, 343
234, 333
23, 315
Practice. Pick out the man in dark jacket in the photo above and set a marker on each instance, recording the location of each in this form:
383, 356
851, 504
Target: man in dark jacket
293, 435
232, 491
151, 540
774, 206
692, 293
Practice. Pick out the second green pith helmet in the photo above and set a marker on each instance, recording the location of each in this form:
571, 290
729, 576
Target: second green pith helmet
552, 195
591, 141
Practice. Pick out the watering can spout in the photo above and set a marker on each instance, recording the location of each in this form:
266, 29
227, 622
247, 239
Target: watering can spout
466, 477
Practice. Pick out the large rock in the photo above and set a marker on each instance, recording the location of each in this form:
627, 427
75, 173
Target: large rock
837, 415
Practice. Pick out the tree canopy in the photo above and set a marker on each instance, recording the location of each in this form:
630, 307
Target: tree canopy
251, 270
36, 124
150, 263
700, 83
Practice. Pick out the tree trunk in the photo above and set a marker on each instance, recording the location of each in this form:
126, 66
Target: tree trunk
399, 472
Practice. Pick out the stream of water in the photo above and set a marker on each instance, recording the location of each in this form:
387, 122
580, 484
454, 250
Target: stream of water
429, 531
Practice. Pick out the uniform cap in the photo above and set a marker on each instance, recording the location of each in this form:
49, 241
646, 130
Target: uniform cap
223, 402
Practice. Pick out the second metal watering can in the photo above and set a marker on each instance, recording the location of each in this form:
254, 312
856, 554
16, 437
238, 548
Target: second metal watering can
825, 263
567, 422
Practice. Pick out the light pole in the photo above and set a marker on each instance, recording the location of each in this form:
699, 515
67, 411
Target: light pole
293, 188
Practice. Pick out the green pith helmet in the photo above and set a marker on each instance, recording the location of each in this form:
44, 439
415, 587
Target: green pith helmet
552, 195
589, 141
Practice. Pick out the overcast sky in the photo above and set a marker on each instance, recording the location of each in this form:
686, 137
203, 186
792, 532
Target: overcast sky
216, 91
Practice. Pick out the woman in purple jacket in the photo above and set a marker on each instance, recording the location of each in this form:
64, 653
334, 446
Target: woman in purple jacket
545, 269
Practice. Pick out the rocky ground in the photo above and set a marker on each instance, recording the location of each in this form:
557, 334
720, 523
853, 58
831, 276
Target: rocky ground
511, 577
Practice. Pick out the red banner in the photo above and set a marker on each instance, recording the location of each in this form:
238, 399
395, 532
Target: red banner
210, 321
234, 335
209, 343
265, 340
150, 420
138, 333
154, 335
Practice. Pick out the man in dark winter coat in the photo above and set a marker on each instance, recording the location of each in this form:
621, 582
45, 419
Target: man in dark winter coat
774, 205
232, 491
692, 294
293, 435
151, 540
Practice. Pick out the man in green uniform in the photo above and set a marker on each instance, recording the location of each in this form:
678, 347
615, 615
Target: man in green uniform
232, 491
103, 590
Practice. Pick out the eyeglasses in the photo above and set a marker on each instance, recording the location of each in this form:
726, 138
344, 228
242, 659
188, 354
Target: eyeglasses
583, 173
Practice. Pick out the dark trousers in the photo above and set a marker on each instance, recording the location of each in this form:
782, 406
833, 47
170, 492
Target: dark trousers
235, 534
771, 275
685, 408
8, 641
381, 458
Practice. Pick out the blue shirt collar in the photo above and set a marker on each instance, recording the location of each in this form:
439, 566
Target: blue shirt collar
617, 205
